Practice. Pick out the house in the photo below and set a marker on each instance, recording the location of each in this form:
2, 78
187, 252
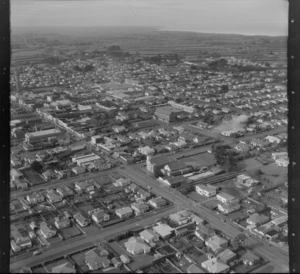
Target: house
277, 155
180, 218
227, 256
207, 191
246, 180
14, 246
135, 245
125, 259
81, 220
257, 219
53, 196
84, 185
258, 143
283, 162
158, 202
273, 139
22, 241
226, 198
94, 260
78, 170
228, 208
46, 231
133, 187
143, 193
35, 198
64, 191
122, 182
61, 223
16, 174
163, 230
20, 184
67, 267
100, 216
250, 258
242, 147
149, 236
194, 269
215, 266
203, 232
197, 220
116, 262
139, 208
272, 234
124, 212
216, 243
49, 174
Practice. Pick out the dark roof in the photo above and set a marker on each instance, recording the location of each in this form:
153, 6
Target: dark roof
176, 165
175, 180
161, 160
272, 232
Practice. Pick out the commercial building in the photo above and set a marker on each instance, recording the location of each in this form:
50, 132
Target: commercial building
36, 136
85, 160
155, 164
207, 191
167, 114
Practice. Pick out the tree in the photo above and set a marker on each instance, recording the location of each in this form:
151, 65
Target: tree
224, 88
37, 166
114, 48
225, 156
238, 240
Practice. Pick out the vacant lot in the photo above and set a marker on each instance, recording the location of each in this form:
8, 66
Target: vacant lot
33, 177
202, 159
69, 232
197, 197
211, 204
196, 255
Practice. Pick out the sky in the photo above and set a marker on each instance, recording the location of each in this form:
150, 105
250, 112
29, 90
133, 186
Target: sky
250, 17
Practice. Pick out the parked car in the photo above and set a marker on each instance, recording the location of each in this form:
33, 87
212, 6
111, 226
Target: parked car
37, 252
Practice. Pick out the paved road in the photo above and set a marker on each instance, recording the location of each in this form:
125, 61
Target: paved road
77, 243
275, 255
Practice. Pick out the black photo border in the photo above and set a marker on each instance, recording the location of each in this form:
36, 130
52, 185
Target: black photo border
293, 55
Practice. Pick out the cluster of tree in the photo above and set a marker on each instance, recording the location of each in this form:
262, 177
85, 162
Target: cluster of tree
224, 88
85, 69
218, 63
238, 241
52, 60
209, 118
226, 157
37, 166
249, 68
114, 48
